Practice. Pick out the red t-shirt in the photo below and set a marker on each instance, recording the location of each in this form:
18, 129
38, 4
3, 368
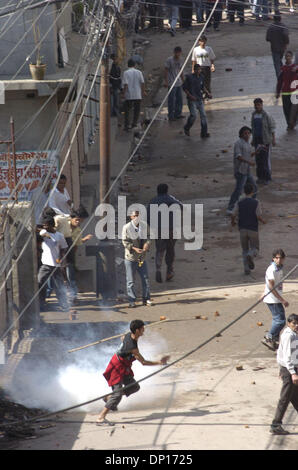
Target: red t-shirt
288, 79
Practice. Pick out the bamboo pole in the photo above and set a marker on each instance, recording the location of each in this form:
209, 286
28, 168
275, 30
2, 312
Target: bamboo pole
112, 337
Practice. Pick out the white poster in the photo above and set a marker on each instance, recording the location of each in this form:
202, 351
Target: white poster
45, 161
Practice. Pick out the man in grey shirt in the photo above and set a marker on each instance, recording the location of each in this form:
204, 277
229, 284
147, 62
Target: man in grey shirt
173, 66
243, 160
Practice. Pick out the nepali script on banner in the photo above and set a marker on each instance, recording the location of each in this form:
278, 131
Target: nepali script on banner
45, 161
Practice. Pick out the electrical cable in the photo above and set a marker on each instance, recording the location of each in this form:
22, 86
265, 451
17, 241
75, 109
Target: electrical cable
187, 354
166, 366
78, 72
31, 162
75, 76
37, 293
3, 30
45, 181
150, 122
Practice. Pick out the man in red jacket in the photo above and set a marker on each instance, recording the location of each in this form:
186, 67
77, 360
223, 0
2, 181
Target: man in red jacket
287, 83
119, 373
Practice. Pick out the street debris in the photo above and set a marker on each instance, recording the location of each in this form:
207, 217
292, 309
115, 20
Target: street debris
13, 417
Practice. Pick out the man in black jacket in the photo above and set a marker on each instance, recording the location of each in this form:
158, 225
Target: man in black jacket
194, 87
164, 245
278, 36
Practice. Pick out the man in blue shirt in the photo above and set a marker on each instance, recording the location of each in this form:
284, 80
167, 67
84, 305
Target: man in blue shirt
194, 87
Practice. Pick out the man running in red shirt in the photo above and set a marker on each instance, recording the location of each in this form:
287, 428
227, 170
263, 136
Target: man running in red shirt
119, 373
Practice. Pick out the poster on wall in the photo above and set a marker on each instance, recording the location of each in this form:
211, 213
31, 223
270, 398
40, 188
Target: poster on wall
41, 163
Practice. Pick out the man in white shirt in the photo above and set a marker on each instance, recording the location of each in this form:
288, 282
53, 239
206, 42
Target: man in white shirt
60, 199
133, 91
204, 56
287, 358
54, 247
274, 299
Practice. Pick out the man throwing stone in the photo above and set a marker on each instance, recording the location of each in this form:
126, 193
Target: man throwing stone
119, 373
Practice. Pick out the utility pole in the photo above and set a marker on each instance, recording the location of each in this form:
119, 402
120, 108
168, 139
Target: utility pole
105, 252
104, 132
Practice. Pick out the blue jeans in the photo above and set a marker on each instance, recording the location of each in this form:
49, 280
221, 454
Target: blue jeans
199, 7
278, 320
277, 61
241, 180
173, 16
131, 268
175, 102
194, 108
261, 5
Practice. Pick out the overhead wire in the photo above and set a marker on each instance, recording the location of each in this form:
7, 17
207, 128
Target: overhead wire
30, 166
59, 114
247, 4
166, 366
142, 138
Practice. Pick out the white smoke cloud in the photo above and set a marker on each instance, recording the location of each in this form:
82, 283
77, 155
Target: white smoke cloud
42, 384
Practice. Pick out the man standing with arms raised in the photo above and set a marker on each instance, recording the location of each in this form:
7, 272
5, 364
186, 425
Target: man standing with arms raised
243, 161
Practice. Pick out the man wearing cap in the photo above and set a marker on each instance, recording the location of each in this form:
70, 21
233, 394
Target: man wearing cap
135, 238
